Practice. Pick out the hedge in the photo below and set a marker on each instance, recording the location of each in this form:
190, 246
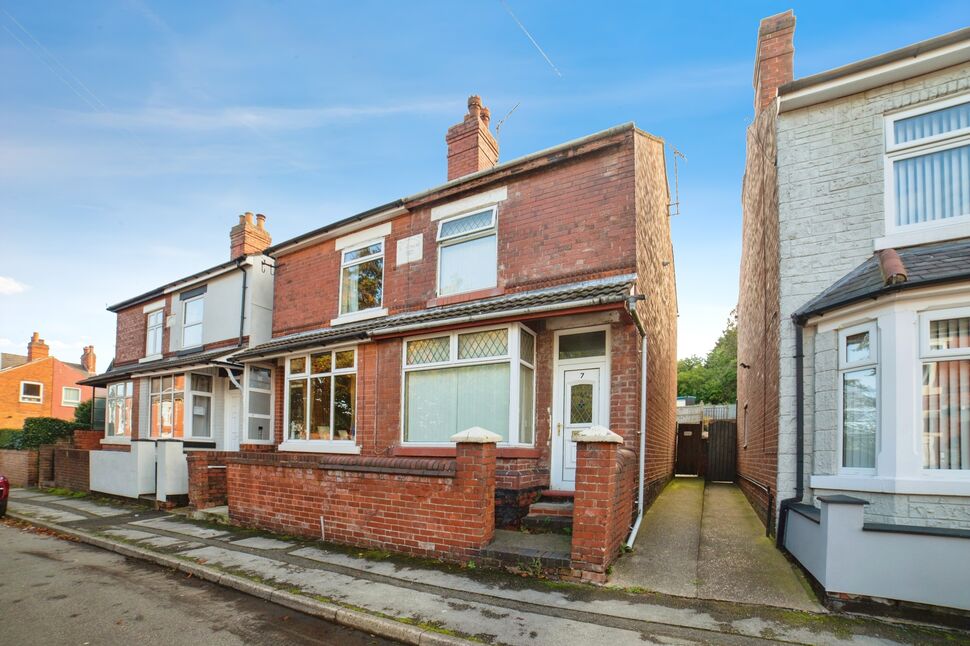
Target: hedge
41, 430
7, 437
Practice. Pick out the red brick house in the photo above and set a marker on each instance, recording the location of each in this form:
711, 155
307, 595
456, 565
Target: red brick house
39, 385
516, 298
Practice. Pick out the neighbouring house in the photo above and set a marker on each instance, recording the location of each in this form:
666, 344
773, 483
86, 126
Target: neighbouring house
173, 386
854, 317
511, 305
40, 385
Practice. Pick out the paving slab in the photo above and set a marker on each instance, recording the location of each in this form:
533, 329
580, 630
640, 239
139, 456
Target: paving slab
261, 543
44, 513
93, 508
664, 557
737, 562
180, 528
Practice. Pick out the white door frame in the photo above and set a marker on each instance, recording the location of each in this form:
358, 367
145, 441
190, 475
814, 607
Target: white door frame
559, 368
230, 444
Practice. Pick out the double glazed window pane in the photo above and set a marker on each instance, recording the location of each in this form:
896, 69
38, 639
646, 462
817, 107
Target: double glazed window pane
362, 286
932, 187
526, 404
467, 224
859, 418
946, 414
320, 408
442, 402
259, 378
584, 344
154, 345
857, 348
467, 266
296, 424
201, 416
480, 345
931, 124
192, 325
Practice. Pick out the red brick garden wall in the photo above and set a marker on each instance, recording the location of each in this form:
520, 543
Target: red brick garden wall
207, 478
430, 507
72, 468
20, 467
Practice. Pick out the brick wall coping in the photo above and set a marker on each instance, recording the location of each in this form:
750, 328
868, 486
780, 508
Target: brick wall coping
596, 434
442, 468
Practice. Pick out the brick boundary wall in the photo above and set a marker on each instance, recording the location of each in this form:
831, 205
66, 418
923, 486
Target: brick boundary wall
72, 468
207, 478
20, 467
603, 507
443, 508
88, 440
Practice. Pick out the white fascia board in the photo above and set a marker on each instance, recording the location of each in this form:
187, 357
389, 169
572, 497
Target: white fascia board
178, 287
380, 231
470, 203
883, 75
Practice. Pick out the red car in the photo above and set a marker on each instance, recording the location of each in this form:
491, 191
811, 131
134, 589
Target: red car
4, 494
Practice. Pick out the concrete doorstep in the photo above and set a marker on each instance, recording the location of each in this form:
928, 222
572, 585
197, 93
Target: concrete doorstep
422, 602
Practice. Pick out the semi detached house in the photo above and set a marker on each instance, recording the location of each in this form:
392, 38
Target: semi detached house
854, 317
497, 350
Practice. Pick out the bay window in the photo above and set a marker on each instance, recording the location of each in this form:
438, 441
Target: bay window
362, 277
928, 166
118, 409
259, 415
461, 379
859, 387
321, 396
945, 354
467, 253
167, 398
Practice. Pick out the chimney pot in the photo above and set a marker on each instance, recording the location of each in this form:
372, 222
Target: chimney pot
37, 349
247, 238
89, 360
260, 221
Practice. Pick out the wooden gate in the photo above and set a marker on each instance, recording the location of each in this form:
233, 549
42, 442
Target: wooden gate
721, 450
688, 449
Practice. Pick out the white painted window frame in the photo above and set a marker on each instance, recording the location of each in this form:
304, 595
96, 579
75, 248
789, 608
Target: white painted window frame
466, 236
70, 402
247, 415
512, 358
846, 366
190, 396
186, 404
30, 399
186, 325
159, 327
900, 235
319, 446
370, 312
128, 391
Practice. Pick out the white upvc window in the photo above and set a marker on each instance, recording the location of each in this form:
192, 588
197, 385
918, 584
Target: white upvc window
31, 392
858, 398
167, 405
200, 419
70, 396
474, 377
153, 336
927, 169
193, 312
320, 408
117, 416
467, 252
259, 404
945, 394
362, 277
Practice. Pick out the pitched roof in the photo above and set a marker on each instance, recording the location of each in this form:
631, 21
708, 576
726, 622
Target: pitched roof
9, 360
116, 373
614, 289
922, 266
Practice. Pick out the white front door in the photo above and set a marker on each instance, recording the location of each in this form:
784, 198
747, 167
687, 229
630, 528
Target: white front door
233, 417
577, 406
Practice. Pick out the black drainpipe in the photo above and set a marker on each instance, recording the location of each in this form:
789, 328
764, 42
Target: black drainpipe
799, 434
242, 302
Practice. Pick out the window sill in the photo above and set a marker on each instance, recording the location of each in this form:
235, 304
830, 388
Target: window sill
930, 486
451, 299
150, 358
359, 316
449, 451
922, 235
320, 446
116, 439
30, 401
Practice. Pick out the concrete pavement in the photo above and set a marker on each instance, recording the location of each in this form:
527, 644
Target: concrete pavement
430, 603
706, 542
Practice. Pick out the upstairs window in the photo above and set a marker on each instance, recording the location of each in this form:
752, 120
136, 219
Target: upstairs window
467, 253
31, 392
153, 338
859, 397
362, 277
928, 166
945, 352
193, 311
70, 396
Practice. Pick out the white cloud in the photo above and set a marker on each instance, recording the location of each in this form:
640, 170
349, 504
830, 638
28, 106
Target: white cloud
10, 286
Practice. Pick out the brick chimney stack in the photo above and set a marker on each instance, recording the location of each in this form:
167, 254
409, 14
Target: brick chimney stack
774, 58
248, 238
471, 147
89, 360
37, 349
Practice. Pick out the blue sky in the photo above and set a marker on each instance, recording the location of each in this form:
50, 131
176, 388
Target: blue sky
132, 133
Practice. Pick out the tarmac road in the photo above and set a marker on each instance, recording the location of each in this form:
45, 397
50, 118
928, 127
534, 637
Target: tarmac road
54, 591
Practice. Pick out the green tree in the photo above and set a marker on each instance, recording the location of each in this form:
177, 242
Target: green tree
82, 414
714, 378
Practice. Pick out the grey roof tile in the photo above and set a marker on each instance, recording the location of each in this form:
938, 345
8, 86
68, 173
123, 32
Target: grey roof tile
115, 373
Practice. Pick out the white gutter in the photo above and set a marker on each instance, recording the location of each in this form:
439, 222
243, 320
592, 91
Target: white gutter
643, 439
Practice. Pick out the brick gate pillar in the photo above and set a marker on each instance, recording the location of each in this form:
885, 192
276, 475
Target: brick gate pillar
475, 451
597, 487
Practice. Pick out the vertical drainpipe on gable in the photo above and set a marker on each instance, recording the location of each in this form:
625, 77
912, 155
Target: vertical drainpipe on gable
799, 434
242, 303
630, 306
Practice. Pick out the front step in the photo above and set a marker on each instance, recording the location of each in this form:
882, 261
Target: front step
530, 553
552, 513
